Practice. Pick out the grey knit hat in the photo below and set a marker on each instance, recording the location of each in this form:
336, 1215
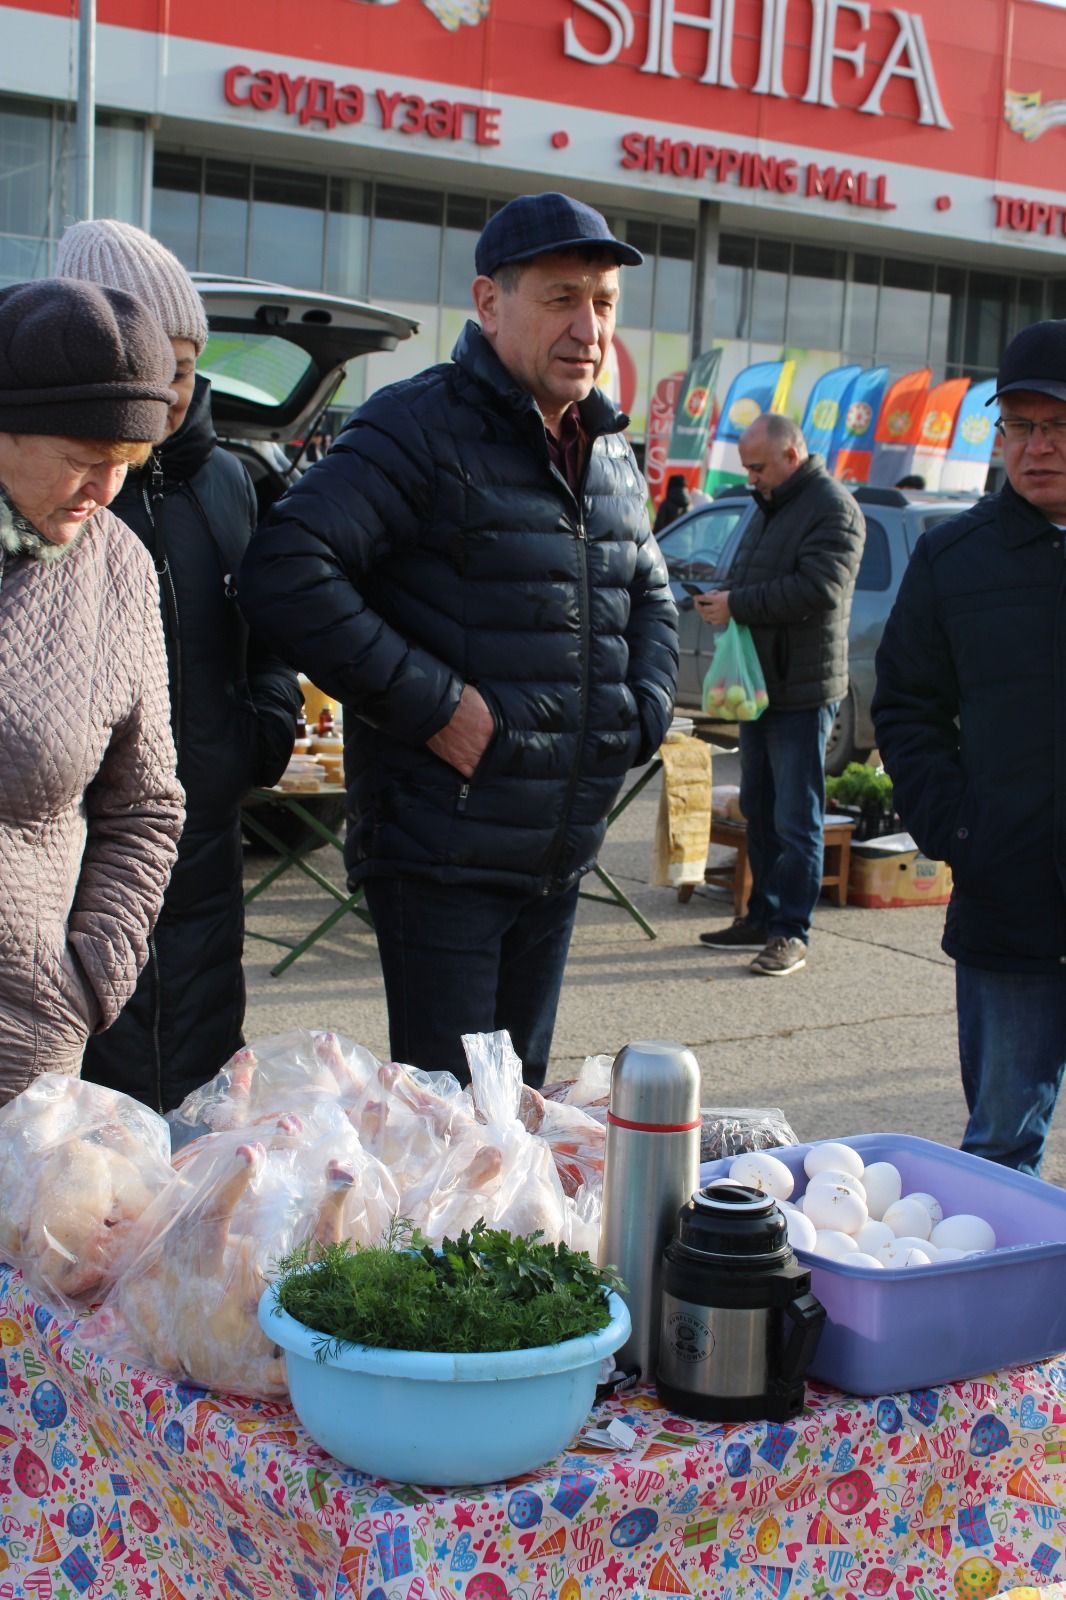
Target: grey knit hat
124, 257
82, 362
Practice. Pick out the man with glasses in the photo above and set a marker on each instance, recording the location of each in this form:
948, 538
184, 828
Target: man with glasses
970, 714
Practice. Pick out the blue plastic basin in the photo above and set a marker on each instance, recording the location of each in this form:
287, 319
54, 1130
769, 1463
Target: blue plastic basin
430, 1417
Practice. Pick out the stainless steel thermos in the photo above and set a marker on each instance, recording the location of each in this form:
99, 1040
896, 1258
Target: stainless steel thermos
651, 1166
739, 1323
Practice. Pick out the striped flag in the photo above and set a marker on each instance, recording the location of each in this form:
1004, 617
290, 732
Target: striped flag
897, 427
762, 387
851, 450
826, 404
970, 450
935, 432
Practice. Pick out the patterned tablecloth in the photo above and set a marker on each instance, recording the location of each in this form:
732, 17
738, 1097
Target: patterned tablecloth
116, 1485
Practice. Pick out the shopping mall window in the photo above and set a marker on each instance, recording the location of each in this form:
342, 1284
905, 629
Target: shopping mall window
988, 303
638, 283
405, 244
288, 226
672, 303
38, 179
224, 218
733, 286
903, 313
860, 308
948, 319
816, 298
347, 237
770, 297
176, 187
464, 218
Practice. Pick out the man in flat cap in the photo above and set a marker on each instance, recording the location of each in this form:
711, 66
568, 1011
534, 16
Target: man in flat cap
970, 713
471, 571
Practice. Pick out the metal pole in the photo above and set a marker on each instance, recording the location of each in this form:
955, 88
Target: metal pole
85, 155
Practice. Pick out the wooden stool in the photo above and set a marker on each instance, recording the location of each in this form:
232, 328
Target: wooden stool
737, 874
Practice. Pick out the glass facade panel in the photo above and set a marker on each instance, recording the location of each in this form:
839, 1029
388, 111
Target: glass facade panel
25, 163
118, 168
988, 307
224, 219
347, 237
903, 313
816, 298
405, 244
288, 227
176, 183
465, 216
733, 287
770, 299
860, 307
638, 283
1029, 306
673, 279
945, 334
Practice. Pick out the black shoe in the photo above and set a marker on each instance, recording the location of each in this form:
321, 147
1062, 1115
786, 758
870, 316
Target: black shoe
740, 935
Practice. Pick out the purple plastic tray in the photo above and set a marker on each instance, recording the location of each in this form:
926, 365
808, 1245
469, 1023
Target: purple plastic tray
913, 1328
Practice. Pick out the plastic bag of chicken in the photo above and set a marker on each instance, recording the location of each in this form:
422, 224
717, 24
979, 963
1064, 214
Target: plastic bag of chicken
79, 1164
497, 1170
575, 1133
278, 1074
185, 1304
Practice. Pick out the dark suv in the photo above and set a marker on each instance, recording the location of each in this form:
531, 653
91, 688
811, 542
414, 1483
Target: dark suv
700, 547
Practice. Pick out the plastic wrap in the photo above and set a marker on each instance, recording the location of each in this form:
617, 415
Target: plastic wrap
79, 1164
729, 1131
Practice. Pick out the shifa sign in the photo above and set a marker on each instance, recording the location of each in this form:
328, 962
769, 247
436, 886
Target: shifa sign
600, 30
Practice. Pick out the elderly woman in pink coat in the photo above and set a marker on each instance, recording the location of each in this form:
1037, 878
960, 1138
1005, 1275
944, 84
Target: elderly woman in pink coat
90, 808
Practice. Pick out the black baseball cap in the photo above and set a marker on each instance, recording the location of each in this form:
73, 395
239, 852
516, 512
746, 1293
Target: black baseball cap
1035, 360
536, 224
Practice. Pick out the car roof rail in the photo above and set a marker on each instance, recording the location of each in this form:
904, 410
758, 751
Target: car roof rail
866, 494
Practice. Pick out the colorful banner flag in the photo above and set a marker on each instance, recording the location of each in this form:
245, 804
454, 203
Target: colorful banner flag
692, 417
657, 437
827, 401
936, 430
762, 387
970, 451
897, 427
851, 451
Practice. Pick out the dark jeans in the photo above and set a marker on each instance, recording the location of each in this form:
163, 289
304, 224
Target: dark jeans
1012, 1048
782, 795
465, 959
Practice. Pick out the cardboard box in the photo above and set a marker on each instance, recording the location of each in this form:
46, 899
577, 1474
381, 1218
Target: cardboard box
891, 871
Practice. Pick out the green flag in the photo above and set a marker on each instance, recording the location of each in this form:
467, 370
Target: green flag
695, 407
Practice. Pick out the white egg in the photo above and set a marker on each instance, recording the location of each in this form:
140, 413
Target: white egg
965, 1231
834, 1175
764, 1172
861, 1259
873, 1236
833, 1206
833, 1244
883, 1187
951, 1252
909, 1255
909, 1216
929, 1201
841, 1156
802, 1234
910, 1241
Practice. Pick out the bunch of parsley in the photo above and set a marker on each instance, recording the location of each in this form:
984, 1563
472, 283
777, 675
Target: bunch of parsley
488, 1290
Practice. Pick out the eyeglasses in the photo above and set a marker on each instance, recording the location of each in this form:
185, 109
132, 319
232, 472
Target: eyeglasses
1019, 430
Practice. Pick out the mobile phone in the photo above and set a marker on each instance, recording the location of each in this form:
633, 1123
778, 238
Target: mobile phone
691, 588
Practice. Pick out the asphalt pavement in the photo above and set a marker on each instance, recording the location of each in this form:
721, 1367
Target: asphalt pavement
862, 1040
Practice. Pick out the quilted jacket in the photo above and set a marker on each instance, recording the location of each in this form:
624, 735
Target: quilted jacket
970, 715
792, 583
90, 808
233, 712
435, 546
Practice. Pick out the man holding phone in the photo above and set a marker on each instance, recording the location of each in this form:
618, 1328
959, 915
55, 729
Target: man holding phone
791, 583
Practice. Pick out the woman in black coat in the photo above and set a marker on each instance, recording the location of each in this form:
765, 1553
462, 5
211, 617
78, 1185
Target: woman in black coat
233, 707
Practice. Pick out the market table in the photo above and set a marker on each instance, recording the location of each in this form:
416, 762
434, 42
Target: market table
299, 804
116, 1485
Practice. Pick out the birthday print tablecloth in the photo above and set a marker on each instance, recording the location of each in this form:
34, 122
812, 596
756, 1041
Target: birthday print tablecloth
118, 1486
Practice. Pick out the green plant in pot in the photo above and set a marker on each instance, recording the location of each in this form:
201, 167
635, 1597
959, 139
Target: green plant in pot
466, 1364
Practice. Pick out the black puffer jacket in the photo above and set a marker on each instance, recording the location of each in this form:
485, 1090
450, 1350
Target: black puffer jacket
792, 583
233, 710
978, 633
436, 546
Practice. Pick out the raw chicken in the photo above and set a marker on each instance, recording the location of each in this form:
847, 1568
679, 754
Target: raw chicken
190, 1299
78, 1165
